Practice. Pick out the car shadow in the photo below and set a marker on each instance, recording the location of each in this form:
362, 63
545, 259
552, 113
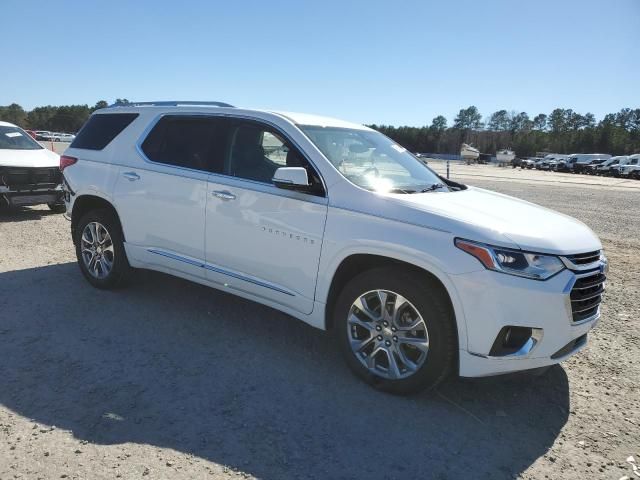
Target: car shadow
172, 364
23, 214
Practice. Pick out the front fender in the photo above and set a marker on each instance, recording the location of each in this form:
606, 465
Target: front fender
348, 234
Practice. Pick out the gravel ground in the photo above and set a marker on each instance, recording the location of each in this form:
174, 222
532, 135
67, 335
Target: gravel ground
169, 379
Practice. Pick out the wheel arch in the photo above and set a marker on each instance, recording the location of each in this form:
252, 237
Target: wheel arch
354, 264
86, 203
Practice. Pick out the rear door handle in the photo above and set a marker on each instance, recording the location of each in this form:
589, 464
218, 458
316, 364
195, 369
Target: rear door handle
223, 194
131, 176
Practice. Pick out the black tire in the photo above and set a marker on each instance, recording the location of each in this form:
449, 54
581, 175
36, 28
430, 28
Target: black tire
121, 270
434, 307
57, 207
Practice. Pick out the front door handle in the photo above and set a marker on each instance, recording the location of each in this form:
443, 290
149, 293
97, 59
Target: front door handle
223, 195
131, 176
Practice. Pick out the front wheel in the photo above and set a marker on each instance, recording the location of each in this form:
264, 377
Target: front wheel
396, 330
100, 250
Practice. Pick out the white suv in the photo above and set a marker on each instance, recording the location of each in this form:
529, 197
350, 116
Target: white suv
336, 225
631, 169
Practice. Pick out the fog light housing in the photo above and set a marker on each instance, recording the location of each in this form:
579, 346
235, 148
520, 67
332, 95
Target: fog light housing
511, 340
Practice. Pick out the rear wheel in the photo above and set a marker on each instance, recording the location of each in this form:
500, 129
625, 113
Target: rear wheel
100, 250
396, 330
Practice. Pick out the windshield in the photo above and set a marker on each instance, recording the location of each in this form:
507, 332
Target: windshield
370, 160
14, 138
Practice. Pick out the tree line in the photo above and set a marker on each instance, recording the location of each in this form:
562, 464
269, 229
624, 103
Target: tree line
561, 131
64, 118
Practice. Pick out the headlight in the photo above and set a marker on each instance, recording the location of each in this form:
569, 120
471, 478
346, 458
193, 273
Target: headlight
513, 262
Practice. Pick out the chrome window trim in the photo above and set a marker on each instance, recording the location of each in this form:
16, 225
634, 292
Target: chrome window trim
157, 118
224, 271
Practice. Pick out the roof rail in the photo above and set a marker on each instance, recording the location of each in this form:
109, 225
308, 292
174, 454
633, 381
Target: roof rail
173, 103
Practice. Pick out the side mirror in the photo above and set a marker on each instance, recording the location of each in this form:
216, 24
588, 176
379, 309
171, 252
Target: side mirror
291, 178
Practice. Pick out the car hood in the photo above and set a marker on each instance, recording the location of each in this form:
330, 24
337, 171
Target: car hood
29, 158
486, 216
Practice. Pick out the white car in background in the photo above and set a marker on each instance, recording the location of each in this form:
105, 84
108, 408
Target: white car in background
63, 137
29, 173
616, 169
337, 225
605, 167
43, 135
632, 168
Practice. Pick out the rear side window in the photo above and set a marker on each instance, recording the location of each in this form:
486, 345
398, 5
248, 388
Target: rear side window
101, 129
195, 142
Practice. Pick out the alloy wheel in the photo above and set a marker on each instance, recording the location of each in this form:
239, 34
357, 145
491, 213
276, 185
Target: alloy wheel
97, 250
387, 334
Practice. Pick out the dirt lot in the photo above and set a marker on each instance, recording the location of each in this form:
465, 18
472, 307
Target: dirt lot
169, 379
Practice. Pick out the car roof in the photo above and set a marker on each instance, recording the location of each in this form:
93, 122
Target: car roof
318, 121
179, 107
7, 124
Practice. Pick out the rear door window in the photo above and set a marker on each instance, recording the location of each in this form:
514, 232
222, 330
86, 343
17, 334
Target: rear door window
194, 142
101, 129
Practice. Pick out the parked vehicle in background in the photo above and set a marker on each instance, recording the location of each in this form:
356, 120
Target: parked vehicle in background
29, 173
604, 168
484, 158
542, 164
577, 162
31, 133
530, 162
616, 169
63, 137
337, 225
505, 156
554, 159
632, 168
592, 168
43, 135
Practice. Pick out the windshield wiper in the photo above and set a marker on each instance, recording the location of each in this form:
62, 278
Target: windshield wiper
433, 187
401, 190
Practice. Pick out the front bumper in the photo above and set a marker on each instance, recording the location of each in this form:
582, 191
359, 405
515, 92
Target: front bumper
32, 196
493, 301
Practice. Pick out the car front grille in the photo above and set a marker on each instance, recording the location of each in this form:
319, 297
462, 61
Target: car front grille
586, 295
584, 258
28, 178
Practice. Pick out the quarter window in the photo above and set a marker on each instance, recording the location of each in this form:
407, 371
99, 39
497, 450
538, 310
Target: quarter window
101, 129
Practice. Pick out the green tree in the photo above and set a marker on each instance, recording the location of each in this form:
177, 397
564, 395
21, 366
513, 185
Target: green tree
468, 119
540, 122
13, 113
438, 124
498, 121
100, 104
437, 130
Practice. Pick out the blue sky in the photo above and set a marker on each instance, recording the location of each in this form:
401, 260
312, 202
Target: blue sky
386, 62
